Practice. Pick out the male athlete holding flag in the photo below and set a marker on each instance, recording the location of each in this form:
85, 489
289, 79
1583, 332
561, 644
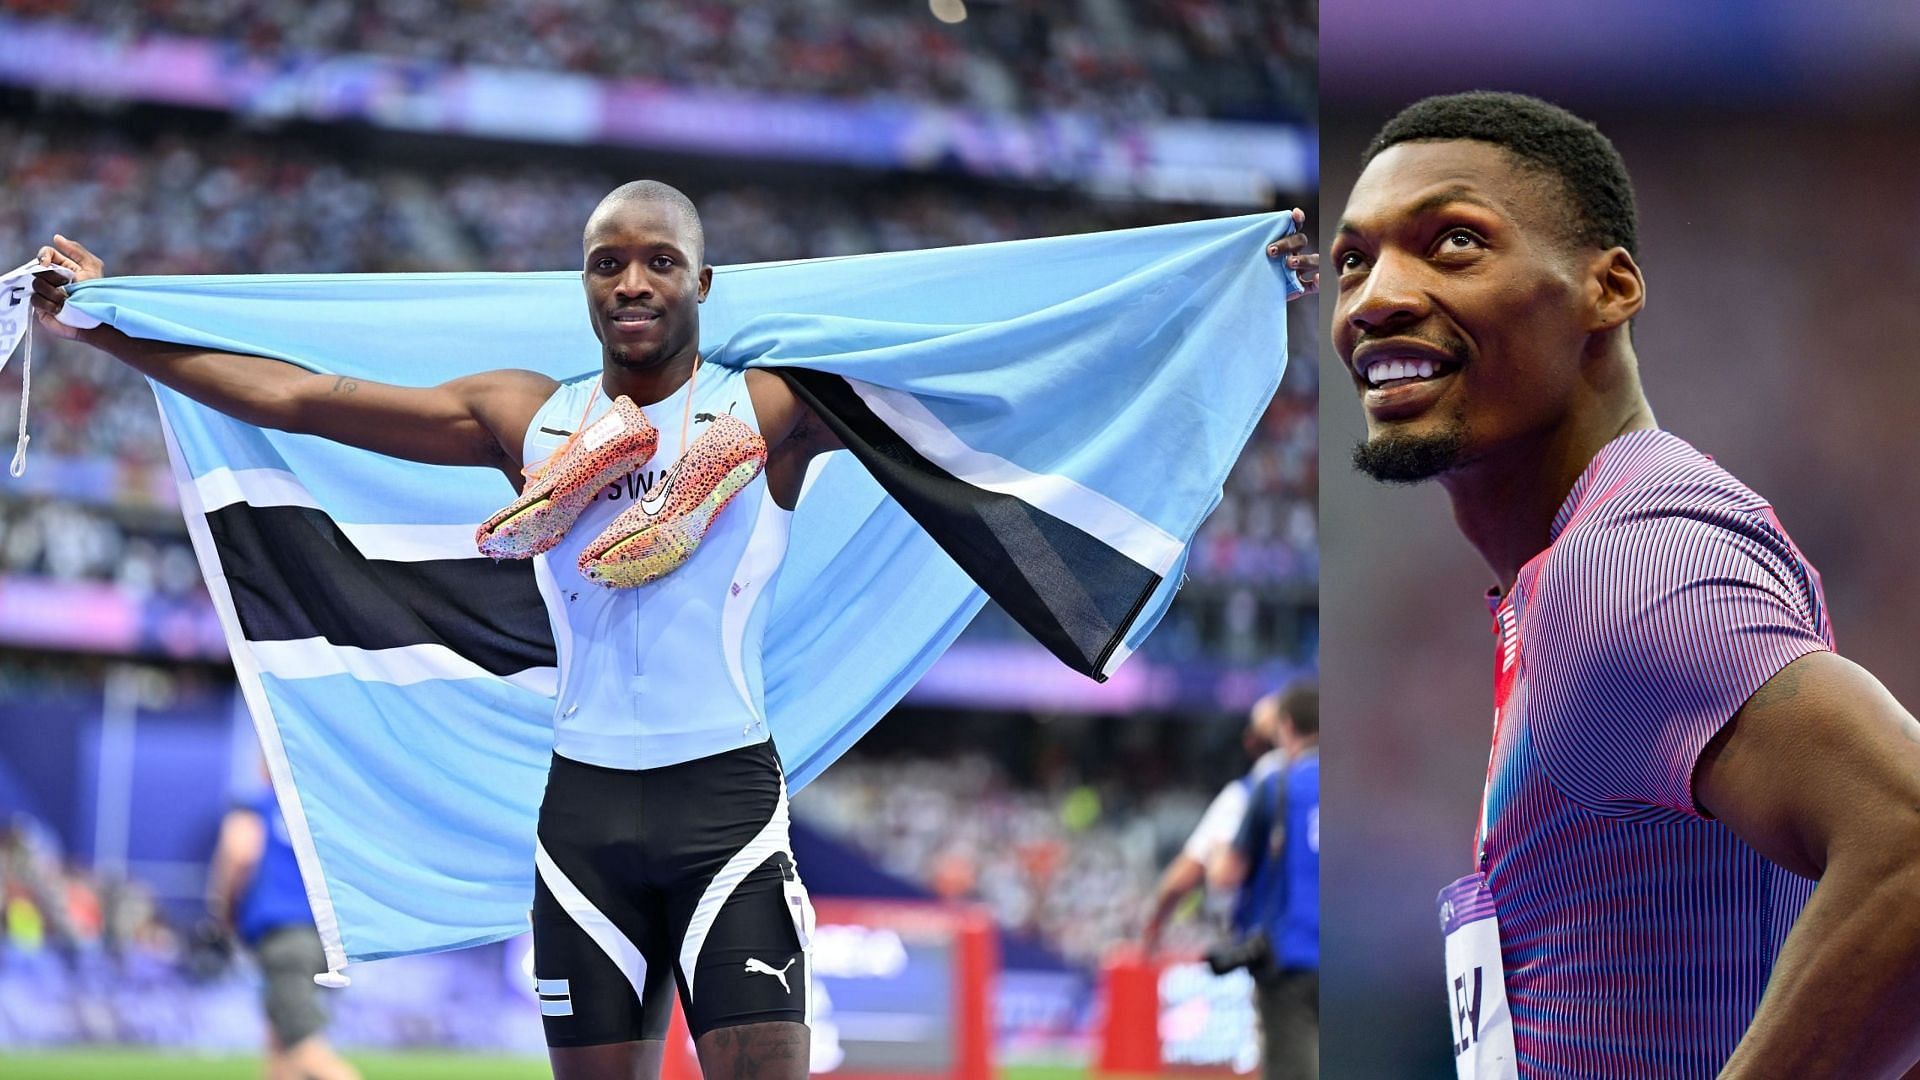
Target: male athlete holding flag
663, 852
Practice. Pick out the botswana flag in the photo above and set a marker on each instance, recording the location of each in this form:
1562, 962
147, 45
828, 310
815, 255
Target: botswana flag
1046, 422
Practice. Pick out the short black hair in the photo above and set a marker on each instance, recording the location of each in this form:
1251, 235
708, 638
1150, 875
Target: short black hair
1301, 704
1542, 136
657, 192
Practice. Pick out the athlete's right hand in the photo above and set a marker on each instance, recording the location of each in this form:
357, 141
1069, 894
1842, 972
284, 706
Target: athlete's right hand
49, 291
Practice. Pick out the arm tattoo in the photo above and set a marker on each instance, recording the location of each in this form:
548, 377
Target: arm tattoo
344, 385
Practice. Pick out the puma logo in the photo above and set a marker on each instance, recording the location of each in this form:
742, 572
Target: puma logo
704, 418
756, 967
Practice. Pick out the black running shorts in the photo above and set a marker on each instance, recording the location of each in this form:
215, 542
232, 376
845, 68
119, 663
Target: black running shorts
677, 875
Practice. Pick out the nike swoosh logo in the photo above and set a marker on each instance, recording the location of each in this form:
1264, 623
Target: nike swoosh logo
651, 503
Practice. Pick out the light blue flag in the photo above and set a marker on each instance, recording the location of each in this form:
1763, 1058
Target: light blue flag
1045, 421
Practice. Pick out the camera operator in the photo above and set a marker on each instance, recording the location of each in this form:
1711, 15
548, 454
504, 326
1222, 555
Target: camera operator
1218, 826
1275, 862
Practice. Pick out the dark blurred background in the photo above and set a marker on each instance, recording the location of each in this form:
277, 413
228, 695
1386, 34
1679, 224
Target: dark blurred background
209, 136
1771, 145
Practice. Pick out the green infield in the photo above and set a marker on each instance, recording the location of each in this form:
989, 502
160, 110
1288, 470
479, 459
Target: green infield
149, 1065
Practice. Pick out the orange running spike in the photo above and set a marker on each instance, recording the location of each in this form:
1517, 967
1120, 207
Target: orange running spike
658, 534
597, 455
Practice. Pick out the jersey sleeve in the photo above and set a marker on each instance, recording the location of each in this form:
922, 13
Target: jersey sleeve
1645, 635
1219, 824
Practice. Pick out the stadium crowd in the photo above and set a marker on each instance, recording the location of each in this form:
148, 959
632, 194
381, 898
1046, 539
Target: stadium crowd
1231, 58
1071, 861
68, 541
234, 204
48, 902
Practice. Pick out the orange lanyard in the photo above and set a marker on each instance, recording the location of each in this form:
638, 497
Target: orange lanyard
536, 471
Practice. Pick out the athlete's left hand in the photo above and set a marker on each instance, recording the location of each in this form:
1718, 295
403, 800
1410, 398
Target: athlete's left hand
1293, 247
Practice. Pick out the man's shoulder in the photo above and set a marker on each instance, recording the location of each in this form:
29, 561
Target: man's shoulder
1303, 779
1653, 559
1660, 477
1652, 509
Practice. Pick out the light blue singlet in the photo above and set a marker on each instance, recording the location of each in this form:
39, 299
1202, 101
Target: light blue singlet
670, 671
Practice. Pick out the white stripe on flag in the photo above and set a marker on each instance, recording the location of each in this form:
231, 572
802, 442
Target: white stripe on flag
1082, 507
247, 672
405, 665
387, 542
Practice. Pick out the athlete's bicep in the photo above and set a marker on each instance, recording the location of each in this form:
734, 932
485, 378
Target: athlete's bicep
785, 420
1820, 760
505, 403
475, 420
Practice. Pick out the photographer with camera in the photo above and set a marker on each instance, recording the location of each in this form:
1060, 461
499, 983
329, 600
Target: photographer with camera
1187, 872
1275, 864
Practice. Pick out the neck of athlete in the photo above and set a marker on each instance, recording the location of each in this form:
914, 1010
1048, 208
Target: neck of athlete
648, 384
1505, 500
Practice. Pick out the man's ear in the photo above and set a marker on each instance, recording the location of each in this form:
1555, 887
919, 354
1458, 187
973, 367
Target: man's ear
1617, 290
706, 282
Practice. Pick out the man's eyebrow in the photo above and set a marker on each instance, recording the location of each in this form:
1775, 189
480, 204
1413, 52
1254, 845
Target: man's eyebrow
1438, 200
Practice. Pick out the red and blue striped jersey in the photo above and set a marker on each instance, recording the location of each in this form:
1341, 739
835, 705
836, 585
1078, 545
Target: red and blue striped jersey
1637, 935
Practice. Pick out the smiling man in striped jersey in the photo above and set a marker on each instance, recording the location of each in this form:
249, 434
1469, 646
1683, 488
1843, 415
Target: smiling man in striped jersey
1700, 845
663, 853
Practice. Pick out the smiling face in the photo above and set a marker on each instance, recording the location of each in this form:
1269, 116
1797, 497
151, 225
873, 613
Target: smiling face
644, 281
1463, 306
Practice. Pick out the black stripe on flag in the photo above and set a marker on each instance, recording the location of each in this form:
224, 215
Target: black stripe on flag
1072, 591
294, 574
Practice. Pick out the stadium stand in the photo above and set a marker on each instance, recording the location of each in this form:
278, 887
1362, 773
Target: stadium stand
1222, 58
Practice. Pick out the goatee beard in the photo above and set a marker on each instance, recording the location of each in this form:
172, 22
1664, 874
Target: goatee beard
1409, 459
625, 358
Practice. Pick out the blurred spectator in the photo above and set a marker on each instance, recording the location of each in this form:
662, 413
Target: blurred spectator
1250, 59
1062, 862
71, 542
1274, 861
48, 901
1218, 827
255, 892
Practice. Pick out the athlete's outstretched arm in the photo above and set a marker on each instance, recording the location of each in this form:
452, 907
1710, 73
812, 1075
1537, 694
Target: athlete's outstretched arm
477, 420
1820, 772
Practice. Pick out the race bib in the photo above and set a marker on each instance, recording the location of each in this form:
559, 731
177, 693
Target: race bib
800, 906
1476, 982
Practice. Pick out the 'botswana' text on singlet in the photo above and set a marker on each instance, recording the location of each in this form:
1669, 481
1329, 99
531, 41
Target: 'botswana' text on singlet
667, 672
